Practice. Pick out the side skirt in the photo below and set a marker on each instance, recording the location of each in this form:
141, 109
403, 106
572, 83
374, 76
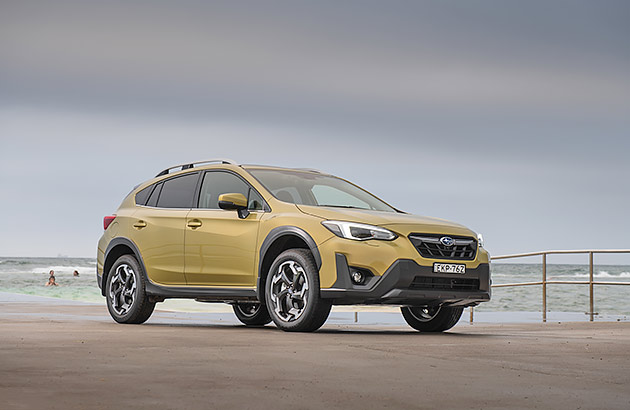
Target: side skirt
159, 293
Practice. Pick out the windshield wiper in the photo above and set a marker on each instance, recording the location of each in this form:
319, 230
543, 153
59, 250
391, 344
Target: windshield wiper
344, 206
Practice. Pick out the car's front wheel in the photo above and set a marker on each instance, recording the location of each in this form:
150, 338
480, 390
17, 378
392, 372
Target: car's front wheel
292, 292
127, 300
251, 314
432, 318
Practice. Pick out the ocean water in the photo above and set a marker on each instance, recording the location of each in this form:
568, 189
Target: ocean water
608, 299
29, 276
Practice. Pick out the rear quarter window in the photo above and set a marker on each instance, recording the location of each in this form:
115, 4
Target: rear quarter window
143, 195
153, 198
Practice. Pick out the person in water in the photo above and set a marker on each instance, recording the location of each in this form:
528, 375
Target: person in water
51, 281
76, 273
52, 273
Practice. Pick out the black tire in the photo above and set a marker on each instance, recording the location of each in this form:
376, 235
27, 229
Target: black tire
133, 306
313, 310
430, 320
252, 314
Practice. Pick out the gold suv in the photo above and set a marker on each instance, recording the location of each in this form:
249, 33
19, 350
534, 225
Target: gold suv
284, 245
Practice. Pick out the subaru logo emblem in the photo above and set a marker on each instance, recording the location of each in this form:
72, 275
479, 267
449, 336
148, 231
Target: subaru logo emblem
447, 241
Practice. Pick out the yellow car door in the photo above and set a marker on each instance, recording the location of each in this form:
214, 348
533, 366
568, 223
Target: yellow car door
220, 247
158, 228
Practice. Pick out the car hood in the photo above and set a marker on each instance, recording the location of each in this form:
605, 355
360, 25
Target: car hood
401, 223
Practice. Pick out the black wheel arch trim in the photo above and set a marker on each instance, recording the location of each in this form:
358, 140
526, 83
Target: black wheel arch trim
272, 236
112, 244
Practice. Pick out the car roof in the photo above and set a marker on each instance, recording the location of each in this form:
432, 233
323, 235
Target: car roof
276, 168
219, 164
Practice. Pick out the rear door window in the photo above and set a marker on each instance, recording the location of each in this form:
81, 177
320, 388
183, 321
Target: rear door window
178, 192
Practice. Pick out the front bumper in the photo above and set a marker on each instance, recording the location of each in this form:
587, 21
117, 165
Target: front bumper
407, 283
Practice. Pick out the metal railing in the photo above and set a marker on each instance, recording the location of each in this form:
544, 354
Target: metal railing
544, 282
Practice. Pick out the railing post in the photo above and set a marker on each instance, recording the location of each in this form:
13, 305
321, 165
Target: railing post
544, 287
590, 285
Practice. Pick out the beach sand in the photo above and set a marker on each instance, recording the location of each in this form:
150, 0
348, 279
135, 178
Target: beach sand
56, 354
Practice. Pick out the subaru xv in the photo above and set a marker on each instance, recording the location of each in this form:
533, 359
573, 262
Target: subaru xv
283, 245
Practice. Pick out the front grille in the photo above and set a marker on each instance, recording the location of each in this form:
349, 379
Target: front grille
429, 246
428, 282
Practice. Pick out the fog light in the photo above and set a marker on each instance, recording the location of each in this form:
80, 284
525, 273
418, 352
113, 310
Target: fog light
357, 277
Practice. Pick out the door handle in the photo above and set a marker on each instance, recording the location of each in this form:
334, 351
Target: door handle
194, 223
139, 224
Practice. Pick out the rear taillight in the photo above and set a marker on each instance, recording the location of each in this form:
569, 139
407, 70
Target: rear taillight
108, 220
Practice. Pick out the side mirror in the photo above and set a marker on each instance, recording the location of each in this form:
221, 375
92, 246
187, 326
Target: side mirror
234, 201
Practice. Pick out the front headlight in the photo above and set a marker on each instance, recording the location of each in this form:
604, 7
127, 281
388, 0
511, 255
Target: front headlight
480, 239
359, 232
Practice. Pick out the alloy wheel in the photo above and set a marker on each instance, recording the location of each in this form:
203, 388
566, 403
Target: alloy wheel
289, 291
122, 289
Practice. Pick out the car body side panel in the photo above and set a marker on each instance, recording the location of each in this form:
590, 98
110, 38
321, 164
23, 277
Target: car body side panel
161, 243
222, 251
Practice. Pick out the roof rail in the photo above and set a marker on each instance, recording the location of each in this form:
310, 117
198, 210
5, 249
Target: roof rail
192, 165
294, 169
308, 170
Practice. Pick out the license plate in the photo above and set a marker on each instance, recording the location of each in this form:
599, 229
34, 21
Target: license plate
449, 268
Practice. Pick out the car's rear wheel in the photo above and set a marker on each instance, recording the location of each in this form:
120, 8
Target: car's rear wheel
251, 314
432, 318
292, 292
127, 300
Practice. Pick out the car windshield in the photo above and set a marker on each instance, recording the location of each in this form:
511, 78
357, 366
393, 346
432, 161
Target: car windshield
308, 188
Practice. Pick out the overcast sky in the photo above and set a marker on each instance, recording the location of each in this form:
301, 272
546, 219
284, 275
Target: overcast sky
510, 117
